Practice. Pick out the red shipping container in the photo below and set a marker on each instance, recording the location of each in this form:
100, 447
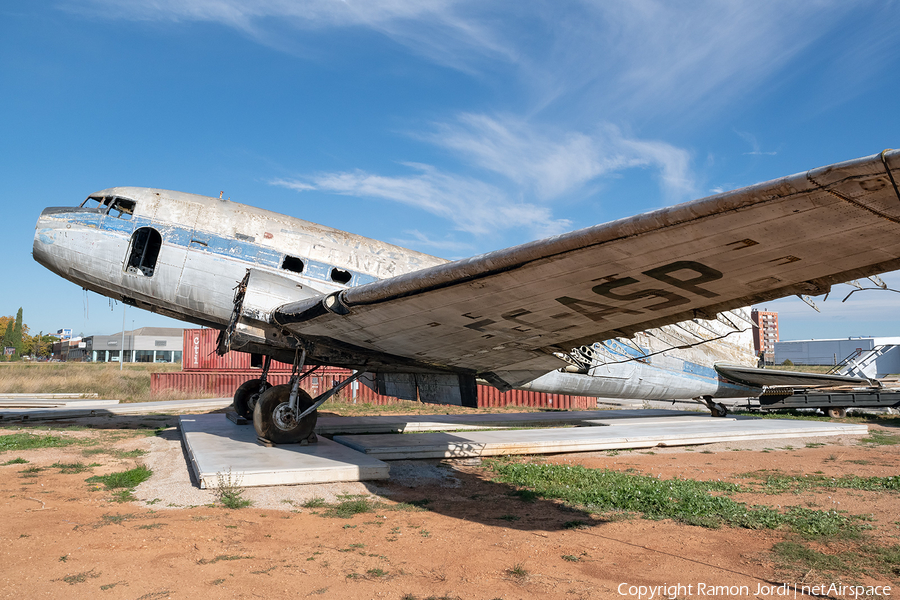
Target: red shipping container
205, 372
199, 354
224, 383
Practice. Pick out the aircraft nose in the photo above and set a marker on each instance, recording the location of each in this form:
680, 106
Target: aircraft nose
45, 237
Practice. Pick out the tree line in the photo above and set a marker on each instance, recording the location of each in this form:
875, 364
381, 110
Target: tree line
16, 341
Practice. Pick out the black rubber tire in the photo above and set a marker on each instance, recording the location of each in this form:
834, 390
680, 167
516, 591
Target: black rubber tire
836, 413
719, 410
270, 427
244, 401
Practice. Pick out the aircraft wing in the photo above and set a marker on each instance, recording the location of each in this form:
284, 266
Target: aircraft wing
772, 377
502, 315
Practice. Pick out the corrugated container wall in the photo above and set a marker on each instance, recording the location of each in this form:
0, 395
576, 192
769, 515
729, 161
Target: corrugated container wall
199, 354
206, 373
224, 383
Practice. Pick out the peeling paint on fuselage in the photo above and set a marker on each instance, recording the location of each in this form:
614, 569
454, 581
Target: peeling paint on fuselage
207, 245
655, 369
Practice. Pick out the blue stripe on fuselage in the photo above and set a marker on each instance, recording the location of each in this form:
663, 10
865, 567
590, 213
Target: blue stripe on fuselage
701, 370
213, 244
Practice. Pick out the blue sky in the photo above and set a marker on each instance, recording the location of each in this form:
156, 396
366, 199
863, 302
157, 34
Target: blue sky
450, 127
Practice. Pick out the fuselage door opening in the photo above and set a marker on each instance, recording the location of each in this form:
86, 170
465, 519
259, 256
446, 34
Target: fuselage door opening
143, 252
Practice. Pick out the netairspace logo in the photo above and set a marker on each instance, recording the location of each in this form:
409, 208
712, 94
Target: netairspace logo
785, 590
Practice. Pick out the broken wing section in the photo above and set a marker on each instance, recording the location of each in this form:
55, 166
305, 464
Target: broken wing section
771, 377
503, 315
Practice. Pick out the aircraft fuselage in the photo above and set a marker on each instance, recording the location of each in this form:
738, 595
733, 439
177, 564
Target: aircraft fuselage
182, 255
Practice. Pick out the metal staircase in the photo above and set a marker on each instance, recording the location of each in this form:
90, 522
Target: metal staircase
838, 368
872, 364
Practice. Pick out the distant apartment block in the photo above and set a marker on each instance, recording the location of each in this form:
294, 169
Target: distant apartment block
765, 334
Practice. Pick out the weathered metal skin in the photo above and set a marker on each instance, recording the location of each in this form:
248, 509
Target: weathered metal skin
356, 302
506, 313
651, 365
207, 246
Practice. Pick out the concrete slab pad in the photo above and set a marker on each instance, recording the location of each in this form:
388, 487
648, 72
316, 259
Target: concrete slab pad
329, 425
38, 402
89, 409
583, 439
45, 396
215, 445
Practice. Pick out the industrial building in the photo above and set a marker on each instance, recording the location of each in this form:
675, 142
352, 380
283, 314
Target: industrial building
144, 345
830, 352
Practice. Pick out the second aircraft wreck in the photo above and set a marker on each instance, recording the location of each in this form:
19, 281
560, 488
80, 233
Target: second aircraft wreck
643, 307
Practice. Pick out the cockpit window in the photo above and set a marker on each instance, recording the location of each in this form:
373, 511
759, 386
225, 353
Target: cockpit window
97, 202
122, 209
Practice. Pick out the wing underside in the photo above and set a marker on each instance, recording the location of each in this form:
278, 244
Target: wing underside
503, 315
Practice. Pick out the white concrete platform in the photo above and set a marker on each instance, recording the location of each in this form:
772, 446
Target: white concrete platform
626, 434
215, 445
51, 402
91, 408
41, 396
329, 425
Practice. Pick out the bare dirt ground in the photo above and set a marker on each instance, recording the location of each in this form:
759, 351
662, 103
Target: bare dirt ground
437, 529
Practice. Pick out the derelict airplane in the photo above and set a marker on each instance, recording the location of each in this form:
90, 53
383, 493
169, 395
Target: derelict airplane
581, 313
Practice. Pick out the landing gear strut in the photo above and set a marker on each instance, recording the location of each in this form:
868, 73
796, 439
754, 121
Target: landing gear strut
275, 421
286, 414
716, 409
249, 392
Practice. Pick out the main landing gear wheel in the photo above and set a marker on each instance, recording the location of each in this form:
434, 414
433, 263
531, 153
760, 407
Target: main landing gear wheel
718, 410
836, 413
246, 396
273, 420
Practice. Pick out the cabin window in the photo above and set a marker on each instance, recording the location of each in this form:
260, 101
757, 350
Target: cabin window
122, 209
292, 263
145, 245
340, 275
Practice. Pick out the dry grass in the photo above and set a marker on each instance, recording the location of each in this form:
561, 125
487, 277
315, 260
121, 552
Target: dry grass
104, 379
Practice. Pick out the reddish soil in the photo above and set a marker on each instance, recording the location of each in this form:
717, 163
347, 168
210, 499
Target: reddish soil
63, 538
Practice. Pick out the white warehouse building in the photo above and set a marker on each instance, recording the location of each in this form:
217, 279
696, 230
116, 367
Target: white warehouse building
828, 352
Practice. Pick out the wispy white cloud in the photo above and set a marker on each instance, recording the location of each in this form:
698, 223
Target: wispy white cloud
754, 144
471, 205
571, 72
428, 28
534, 163
420, 240
621, 56
549, 163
